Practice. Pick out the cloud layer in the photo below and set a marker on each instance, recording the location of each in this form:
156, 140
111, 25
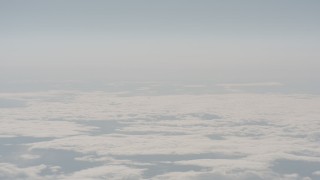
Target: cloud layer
100, 135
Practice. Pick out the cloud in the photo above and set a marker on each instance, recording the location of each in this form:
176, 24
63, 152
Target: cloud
11, 103
213, 175
251, 84
116, 172
11, 171
41, 128
238, 87
205, 136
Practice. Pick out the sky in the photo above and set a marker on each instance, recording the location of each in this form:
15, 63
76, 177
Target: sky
198, 41
166, 89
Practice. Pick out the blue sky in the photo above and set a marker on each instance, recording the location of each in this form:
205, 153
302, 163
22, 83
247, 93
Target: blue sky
214, 41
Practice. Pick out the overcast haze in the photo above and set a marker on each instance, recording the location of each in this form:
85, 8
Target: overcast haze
211, 41
161, 90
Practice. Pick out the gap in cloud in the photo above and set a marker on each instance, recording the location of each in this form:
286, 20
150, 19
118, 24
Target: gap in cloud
163, 168
15, 149
12, 103
216, 137
301, 167
64, 159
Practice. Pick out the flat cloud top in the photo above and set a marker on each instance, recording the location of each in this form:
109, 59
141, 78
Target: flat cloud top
87, 135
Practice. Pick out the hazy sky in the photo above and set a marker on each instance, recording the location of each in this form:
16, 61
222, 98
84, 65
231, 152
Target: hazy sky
160, 89
198, 40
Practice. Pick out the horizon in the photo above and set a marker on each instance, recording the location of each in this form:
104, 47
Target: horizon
168, 89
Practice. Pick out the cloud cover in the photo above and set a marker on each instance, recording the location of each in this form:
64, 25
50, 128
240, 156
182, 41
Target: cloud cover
108, 135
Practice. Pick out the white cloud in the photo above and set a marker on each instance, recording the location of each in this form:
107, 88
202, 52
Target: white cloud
237, 87
116, 172
254, 130
251, 84
11, 171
